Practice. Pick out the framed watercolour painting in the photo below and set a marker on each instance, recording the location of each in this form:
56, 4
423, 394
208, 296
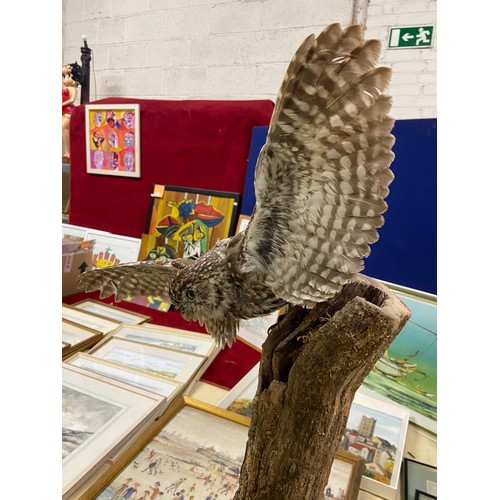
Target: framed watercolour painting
73, 233
173, 338
112, 312
112, 134
98, 415
239, 399
422, 495
77, 337
243, 221
147, 382
186, 222
175, 365
88, 319
420, 480
345, 476
254, 331
376, 431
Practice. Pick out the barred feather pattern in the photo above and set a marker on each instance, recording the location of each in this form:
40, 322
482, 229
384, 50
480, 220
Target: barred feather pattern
321, 181
323, 175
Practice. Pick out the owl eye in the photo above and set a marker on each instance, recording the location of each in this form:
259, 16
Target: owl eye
190, 294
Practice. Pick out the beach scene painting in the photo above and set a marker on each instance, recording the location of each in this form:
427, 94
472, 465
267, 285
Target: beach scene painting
196, 455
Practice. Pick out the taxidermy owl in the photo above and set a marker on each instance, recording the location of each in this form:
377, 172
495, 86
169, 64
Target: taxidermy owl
320, 184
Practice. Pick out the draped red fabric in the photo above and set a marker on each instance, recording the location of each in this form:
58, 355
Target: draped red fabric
193, 144
196, 144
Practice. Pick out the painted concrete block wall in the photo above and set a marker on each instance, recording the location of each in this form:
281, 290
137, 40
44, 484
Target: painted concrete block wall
227, 49
414, 79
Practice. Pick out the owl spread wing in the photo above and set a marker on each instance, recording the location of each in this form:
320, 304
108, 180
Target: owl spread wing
323, 173
144, 278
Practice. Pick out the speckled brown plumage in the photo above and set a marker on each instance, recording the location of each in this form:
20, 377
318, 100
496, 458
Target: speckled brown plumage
320, 183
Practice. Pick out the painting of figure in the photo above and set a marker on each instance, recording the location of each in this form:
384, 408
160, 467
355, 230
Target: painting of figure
112, 139
188, 222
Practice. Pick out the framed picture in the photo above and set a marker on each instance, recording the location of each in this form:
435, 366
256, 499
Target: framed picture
419, 479
243, 221
185, 222
254, 331
182, 457
146, 381
98, 415
112, 135
345, 476
173, 338
376, 431
110, 249
239, 398
112, 312
407, 372
73, 334
88, 319
73, 233
176, 365
76, 337
422, 495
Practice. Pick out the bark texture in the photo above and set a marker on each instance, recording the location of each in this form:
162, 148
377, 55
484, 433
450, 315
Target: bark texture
312, 364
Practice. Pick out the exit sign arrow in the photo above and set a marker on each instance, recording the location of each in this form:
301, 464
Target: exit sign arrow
406, 37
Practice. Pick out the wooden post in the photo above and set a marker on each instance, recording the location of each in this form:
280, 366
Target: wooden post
86, 57
311, 366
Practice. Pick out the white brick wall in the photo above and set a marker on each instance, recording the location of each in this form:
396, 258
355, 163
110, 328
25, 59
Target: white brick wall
414, 70
228, 49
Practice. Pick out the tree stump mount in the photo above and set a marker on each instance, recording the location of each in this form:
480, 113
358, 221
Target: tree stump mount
312, 364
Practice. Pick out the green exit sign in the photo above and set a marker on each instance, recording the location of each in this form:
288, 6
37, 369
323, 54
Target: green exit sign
410, 37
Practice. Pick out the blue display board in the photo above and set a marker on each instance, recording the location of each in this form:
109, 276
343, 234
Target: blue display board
406, 253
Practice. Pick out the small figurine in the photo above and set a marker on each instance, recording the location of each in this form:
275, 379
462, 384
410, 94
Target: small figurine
72, 76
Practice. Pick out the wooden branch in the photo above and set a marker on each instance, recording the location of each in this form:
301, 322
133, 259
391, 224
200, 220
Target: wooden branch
312, 364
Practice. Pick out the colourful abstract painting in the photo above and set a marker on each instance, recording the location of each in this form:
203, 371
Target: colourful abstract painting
187, 222
113, 139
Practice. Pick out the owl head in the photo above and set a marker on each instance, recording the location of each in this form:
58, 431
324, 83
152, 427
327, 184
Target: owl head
203, 291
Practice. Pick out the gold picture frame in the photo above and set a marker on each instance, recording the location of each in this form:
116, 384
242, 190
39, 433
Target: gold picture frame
76, 337
171, 338
184, 425
112, 312
99, 415
175, 365
167, 388
88, 319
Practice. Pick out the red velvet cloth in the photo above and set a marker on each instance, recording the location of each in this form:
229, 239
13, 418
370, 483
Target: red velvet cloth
194, 144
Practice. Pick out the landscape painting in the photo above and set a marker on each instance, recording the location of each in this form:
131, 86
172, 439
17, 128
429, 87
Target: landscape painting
98, 415
154, 364
407, 372
161, 361
82, 416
